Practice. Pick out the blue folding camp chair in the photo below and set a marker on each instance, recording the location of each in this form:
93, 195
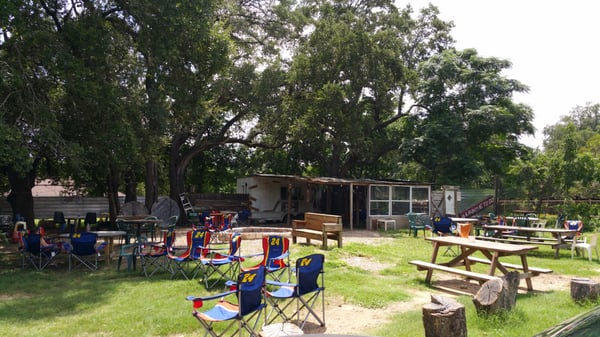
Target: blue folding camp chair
246, 310
155, 258
304, 293
197, 246
276, 256
38, 255
443, 226
574, 225
83, 251
224, 265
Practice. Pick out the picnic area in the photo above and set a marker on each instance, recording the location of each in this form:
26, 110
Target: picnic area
371, 289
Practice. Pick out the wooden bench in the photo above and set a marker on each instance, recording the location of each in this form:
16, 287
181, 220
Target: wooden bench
529, 238
516, 241
318, 226
422, 265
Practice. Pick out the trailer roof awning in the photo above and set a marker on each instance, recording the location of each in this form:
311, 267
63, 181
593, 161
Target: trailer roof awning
340, 181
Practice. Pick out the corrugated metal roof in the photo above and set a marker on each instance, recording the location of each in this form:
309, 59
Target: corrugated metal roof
340, 181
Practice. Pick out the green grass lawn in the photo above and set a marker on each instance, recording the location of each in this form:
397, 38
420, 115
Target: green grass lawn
109, 303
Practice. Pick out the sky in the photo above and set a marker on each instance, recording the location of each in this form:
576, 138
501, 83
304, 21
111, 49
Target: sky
552, 45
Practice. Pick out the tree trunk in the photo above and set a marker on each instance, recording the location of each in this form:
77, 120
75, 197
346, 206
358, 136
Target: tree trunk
20, 197
498, 294
444, 317
584, 289
130, 186
177, 168
151, 184
174, 177
112, 181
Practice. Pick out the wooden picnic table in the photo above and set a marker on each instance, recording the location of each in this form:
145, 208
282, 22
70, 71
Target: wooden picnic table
528, 235
492, 251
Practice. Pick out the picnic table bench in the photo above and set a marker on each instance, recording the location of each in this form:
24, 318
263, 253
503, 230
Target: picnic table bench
528, 236
422, 265
533, 270
492, 251
318, 226
517, 239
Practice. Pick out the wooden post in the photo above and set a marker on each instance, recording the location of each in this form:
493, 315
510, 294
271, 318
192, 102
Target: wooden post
497, 294
444, 317
584, 289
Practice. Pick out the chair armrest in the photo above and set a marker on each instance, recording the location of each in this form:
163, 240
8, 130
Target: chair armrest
210, 297
100, 247
280, 257
280, 284
297, 224
252, 255
332, 227
49, 247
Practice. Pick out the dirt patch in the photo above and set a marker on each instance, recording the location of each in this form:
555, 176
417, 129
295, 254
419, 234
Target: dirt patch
344, 318
337, 312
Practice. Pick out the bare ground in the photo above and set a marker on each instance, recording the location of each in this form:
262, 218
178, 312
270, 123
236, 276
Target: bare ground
337, 312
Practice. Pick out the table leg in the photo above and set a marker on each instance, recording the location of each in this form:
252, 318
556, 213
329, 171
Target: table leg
463, 257
109, 249
466, 254
526, 272
436, 248
494, 263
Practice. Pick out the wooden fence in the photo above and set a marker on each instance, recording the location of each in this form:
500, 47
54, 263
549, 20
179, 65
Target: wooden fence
44, 207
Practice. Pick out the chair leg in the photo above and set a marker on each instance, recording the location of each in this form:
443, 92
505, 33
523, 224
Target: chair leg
129, 260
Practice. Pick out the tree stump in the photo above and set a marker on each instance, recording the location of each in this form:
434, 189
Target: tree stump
444, 317
498, 294
584, 289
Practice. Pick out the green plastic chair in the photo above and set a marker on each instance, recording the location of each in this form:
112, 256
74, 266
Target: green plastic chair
149, 228
414, 224
130, 252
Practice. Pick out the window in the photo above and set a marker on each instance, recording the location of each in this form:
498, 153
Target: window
398, 200
420, 200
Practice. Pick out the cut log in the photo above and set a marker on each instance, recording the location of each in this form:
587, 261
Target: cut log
584, 289
497, 295
444, 317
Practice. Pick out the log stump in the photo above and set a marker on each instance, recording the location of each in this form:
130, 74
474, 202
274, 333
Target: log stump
498, 294
444, 317
584, 289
